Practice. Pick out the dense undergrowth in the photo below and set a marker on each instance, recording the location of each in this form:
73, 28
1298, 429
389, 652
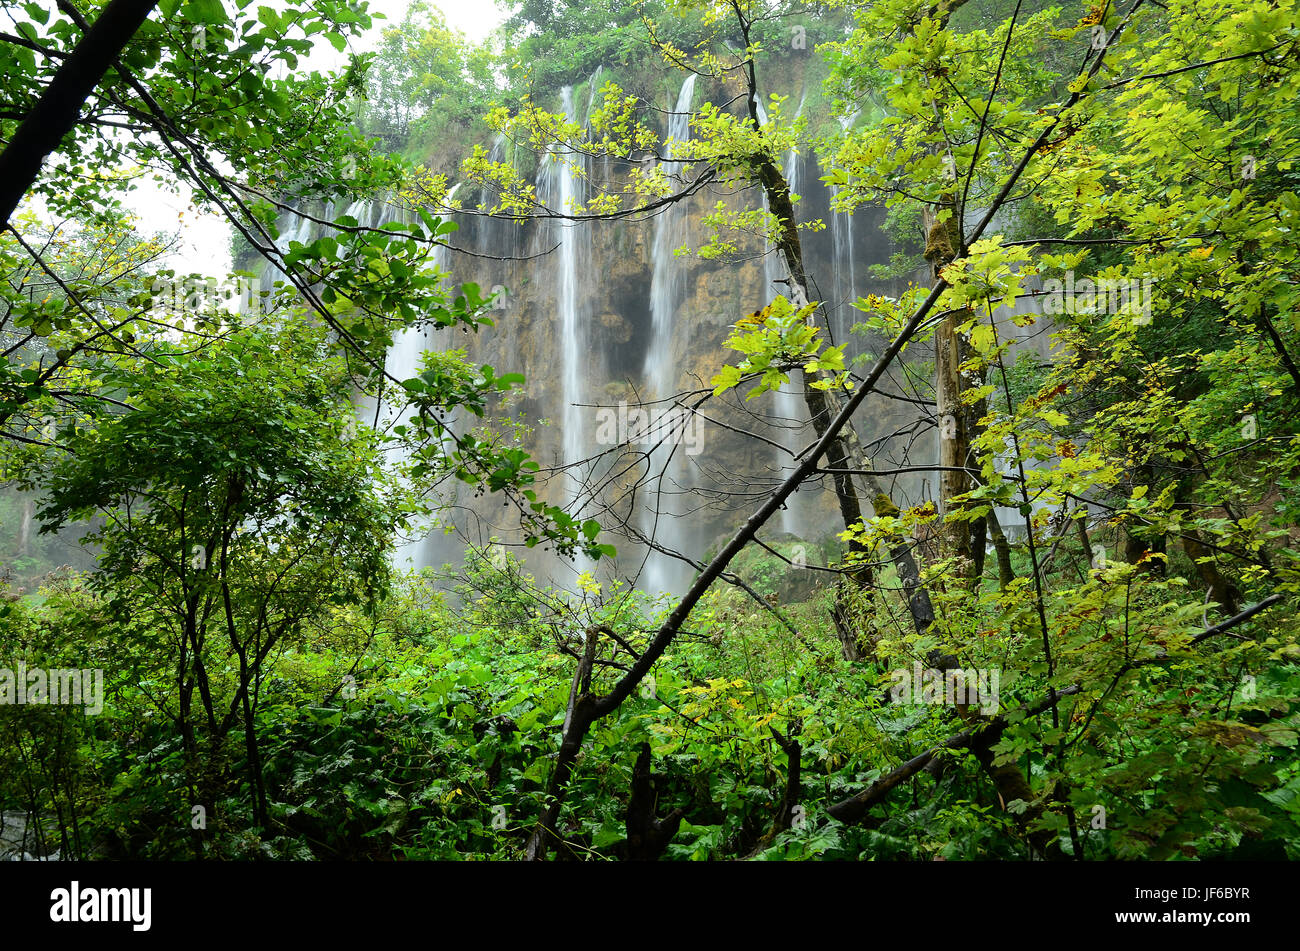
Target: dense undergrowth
428, 732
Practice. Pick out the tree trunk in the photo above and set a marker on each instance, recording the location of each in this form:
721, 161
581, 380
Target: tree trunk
647, 835
1001, 548
56, 112
1219, 588
846, 450
957, 422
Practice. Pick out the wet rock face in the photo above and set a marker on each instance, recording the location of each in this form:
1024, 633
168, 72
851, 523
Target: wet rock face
581, 312
605, 317
720, 473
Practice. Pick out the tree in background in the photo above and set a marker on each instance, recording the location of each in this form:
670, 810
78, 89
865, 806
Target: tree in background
241, 500
425, 84
213, 97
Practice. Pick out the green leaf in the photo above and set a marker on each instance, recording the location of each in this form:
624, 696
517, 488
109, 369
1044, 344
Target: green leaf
204, 11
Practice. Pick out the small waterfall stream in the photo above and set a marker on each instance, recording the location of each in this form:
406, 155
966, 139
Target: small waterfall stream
298, 228
562, 188
667, 299
565, 187
668, 274
844, 270
404, 360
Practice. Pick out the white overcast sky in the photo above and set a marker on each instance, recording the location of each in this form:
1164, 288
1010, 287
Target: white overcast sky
204, 241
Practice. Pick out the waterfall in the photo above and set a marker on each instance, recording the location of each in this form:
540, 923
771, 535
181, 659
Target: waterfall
561, 185
299, 228
667, 298
402, 361
845, 278
787, 400
571, 329
668, 274
593, 86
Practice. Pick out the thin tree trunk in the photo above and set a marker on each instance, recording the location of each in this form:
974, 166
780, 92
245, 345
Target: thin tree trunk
846, 450
1219, 588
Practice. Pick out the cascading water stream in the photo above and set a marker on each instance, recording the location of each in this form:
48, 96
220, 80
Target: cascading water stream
845, 275
570, 318
562, 188
403, 360
299, 230
667, 298
668, 273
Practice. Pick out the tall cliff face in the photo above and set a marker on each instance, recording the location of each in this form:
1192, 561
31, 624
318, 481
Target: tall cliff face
606, 323
615, 333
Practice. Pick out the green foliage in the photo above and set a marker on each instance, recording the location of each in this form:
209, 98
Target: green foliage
774, 339
1143, 476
